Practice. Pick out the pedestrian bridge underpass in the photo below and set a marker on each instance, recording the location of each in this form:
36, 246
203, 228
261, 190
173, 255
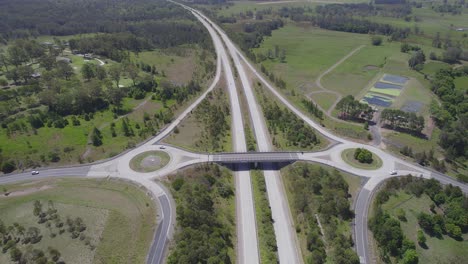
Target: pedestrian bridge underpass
254, 157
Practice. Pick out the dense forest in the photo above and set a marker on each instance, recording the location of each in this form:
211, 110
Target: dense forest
204, 216
161, 22
448, 216
317, 193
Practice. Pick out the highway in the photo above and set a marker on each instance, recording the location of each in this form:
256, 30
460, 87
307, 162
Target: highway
248, 252
246, 225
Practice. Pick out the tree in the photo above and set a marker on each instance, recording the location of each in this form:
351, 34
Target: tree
115, 71
101, 73
54, 254
376, 40
64, 70
96, 137
15, 254
417, 58
451, 55
410, 257
421, 238
88, 71
132, 71
363, 155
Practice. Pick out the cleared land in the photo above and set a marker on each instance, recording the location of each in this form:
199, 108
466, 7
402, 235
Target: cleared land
120, 219
149, 161
348, 157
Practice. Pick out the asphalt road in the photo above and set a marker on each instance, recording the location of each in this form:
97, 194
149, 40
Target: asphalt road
156, 252
248, 251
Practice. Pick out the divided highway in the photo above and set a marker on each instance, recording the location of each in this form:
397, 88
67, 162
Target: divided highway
248, 252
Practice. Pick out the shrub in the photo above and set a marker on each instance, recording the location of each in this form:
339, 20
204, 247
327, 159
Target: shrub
363, 155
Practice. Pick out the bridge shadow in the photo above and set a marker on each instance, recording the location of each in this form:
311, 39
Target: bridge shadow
247, 166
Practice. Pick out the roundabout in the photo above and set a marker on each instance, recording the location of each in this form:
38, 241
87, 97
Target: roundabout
149, 161
348, 156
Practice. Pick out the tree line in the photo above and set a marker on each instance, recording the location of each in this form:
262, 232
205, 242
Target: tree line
452, 115
162, 22
352, 109
404, 121
293, 129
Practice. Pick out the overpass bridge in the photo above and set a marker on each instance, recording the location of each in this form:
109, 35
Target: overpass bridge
253, 157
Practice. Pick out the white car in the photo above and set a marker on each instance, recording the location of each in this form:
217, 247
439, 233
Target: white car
393, 172
162, 147
34, 172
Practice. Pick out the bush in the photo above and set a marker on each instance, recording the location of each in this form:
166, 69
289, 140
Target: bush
376, 40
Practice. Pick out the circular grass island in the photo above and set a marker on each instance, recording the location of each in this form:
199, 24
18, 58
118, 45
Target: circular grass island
348, 156
149, 161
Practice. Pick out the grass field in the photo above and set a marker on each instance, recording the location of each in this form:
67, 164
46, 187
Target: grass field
439, 250
120, 218
348, 157
309, 51
431, 67
324, 99
139, 163
391, 92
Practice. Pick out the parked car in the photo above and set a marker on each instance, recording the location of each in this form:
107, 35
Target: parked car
35, 172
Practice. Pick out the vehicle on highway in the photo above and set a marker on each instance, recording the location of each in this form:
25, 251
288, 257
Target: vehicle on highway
393, 172
34, 172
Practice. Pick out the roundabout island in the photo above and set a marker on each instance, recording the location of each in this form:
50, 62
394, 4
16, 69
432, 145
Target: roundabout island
149, 161
361, 158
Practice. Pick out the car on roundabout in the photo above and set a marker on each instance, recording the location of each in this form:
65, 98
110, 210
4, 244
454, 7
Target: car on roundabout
34, 172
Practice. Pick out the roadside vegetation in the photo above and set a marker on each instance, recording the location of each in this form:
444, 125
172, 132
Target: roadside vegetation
208, 127
70, 97
205, 231
288, 132
419, 221
320, 203
73, 220
266, 233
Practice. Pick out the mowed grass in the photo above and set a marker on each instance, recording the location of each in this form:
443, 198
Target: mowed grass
439, 250
137, 163
348, 157
309, 51
431, 67
324, 99
359, 70
120, 218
